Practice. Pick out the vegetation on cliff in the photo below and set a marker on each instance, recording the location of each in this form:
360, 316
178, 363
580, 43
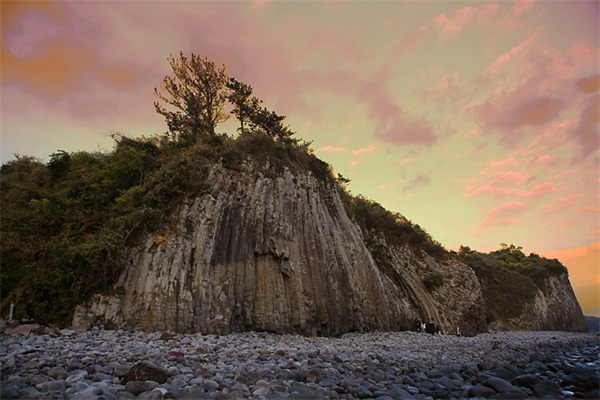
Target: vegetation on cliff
66, 224
509, 279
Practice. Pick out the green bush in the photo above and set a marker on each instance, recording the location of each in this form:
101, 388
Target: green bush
397, 229
432, 281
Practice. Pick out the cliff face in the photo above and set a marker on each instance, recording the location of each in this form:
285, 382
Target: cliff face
553, 309
279, 254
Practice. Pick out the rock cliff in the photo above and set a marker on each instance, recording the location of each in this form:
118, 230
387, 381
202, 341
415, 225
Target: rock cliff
555, 308
277, 252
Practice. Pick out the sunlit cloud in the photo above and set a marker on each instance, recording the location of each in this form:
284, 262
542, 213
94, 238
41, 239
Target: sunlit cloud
521, 6
560, 204
507, 58
501, 191
358, 155
456, 22
364, 150
502, 215
482, 16
259, 3
332, 149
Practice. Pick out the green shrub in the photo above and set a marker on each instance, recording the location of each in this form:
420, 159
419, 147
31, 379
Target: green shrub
397, 229
432, 281
509, 279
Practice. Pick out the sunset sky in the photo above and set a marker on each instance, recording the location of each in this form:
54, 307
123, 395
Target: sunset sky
476, 120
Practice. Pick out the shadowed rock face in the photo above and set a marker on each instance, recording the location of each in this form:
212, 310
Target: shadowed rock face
554, 309
280, 255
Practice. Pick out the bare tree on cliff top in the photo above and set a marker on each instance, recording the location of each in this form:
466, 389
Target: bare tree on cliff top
197, 92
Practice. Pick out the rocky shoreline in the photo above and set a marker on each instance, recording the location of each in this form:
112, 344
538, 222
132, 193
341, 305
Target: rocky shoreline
103, 364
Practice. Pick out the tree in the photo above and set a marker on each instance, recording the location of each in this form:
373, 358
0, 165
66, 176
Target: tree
240, 97
196, 91
247, 108
271, 123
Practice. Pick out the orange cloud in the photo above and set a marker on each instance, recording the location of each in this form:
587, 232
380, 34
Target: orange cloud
62, 67
591, 84
56, 64
12, 11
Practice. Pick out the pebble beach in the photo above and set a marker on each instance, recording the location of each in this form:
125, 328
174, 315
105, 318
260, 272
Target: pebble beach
107, 364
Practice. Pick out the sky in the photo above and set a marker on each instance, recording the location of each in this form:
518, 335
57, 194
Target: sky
476, 120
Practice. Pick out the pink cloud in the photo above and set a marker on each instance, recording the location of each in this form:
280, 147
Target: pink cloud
502, 215
524, 106
510, 56
485, 16
545, 158
522, 6
358, 155
501, 191
510, 161
332, 149
259, 3
587, 132
395, 126
540, 87
494, 164
456, 22
510, 177
447, 90
364, 150
530, 103
560, 204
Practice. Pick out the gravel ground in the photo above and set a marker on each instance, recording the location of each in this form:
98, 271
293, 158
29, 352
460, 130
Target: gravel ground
103, 364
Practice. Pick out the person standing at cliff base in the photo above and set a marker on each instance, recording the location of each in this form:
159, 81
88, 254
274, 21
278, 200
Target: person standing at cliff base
430, 328
417, 325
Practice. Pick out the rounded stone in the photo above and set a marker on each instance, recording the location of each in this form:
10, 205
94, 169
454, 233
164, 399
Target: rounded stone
210, 384
137, 387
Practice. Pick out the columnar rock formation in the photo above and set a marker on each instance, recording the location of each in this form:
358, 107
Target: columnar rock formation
279, 254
